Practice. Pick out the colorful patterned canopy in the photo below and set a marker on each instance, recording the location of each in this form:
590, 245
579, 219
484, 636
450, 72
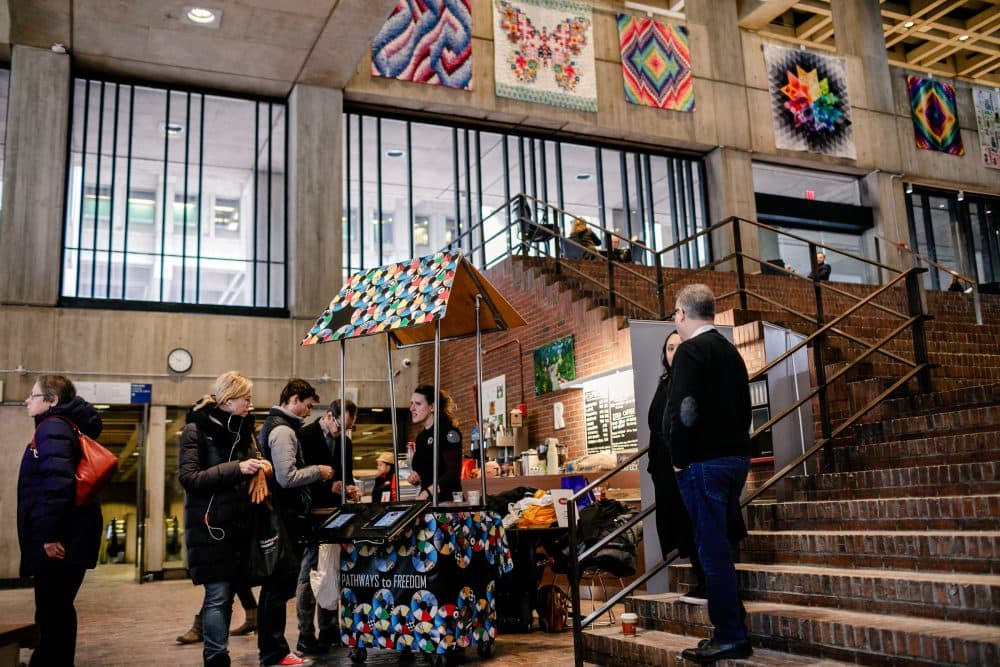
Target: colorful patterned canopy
405, 299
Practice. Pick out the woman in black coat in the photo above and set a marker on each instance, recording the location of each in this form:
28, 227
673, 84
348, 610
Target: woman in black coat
423, 410
217, 461
673, 525
59, 541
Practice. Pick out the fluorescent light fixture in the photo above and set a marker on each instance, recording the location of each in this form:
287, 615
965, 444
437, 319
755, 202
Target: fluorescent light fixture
205, 17
583, 176
395, 152
172, 129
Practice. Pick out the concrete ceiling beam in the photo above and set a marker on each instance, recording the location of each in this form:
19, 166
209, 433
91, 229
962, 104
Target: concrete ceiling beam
755, 14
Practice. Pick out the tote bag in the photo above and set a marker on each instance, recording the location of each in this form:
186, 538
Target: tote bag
271, 552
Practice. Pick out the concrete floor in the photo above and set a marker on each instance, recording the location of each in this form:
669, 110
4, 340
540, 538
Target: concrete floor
123, 623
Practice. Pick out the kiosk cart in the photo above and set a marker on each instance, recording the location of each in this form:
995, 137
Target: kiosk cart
417, 576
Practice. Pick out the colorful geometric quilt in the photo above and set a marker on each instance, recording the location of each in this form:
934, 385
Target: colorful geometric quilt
935, 120
656, 63
987, 104
389, 297
544, 53
809, 102
426, 41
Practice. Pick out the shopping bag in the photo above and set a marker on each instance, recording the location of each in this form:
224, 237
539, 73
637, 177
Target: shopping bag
271, 552
325, 579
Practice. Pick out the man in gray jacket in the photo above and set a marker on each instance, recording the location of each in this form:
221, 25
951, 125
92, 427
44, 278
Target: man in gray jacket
280, 444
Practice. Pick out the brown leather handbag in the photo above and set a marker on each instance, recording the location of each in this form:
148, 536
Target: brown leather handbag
96, 467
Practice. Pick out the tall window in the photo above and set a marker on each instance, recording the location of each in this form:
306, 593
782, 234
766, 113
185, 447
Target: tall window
175, 197
411, 188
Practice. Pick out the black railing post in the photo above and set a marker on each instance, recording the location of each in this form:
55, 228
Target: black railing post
916, 305
660, 296
741, 279
612, 302
574, 584
818, 356
523, 213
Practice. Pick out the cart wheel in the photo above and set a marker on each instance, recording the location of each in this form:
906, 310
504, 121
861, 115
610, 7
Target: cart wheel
486, 649
438, 659
358, 655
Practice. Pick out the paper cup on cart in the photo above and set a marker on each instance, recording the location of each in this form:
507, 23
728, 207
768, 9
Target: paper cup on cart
629, 619
456, 496
473, 497
560, 503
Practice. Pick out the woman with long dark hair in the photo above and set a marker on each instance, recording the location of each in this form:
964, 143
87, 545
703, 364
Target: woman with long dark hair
673, 525
424, 409
217, 461
59, 540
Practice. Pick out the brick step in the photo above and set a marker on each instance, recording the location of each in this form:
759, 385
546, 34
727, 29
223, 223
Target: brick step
950, 479
973, 552
965, 397
951, 596
982, 417
965, 448
837, 634
979, 512
606, 646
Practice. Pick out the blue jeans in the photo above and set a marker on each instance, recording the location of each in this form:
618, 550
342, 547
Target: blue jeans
305, 605
216, 612
708, 488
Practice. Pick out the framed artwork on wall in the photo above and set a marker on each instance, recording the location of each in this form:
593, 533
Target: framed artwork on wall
555, 365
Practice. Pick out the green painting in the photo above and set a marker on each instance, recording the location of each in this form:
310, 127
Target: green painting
555, 365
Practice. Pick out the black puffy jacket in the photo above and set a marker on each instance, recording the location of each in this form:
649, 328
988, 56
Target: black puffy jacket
46, 493
216, 499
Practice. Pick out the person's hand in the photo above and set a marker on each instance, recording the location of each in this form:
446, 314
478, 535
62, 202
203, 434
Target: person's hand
337, 487
250, 466
423, 495
413, 478
55, 550
258, 487
266, 466
325, 473
353, 492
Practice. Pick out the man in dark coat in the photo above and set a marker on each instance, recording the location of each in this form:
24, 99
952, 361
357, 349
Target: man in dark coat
709, 408
59, 541
320, 440
823, 269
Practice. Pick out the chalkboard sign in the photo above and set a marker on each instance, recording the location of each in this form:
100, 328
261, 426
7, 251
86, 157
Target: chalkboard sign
623, 427
611, 424
595, 414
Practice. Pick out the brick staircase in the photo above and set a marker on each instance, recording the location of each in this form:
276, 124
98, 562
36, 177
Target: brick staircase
891, 556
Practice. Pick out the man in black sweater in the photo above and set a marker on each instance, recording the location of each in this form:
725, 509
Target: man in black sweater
321, 446
709, 410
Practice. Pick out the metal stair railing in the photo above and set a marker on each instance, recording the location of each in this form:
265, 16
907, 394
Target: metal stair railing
532, 243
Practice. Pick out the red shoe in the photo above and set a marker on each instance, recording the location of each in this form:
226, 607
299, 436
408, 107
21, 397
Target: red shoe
292, 659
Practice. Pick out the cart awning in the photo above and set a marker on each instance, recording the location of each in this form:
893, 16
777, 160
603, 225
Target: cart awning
405, 299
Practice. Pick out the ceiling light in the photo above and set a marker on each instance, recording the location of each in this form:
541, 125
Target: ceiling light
909, 24
583, 176
172, 129
961, 195
963, 38
204, 17
395, 152
909, 188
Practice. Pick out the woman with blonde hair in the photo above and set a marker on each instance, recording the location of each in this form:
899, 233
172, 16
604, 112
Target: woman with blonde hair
584, 236
217, 461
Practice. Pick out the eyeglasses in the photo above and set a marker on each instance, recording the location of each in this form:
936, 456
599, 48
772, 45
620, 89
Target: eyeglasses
31, 396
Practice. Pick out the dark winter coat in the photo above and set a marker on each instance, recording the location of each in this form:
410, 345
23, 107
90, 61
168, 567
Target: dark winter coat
212, 445
46, 493
316, 450
449, 460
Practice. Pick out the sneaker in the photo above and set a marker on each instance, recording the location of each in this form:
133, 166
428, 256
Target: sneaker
292, 659
696, 595
310, 646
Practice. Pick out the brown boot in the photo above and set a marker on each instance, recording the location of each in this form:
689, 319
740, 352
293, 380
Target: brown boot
192, 636
249, 625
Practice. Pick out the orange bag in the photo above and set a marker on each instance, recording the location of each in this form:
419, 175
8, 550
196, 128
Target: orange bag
96, 467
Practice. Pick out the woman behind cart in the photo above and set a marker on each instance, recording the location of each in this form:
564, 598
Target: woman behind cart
59, 540
216, 464
424, 408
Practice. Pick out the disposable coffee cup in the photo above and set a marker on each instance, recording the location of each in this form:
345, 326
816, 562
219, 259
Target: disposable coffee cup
456, 496
473, 497
629, 620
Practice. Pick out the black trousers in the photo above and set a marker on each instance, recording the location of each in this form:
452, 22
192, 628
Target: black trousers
55, 616
271, 615
673, 525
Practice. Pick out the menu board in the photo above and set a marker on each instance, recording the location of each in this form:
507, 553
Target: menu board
611, 424
595, 414
624, 431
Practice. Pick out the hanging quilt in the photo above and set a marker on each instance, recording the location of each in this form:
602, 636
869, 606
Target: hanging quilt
809, 102
426, 41
544, 53
987, 104
656, 63
935, 120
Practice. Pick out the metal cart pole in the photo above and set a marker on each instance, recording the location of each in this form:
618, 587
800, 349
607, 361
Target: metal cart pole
392, 413
437, 399
343, 423
479, 396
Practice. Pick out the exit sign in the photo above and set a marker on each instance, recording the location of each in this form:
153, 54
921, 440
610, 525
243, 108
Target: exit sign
810, 194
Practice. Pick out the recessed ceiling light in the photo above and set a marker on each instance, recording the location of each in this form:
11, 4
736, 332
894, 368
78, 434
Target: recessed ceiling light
583, 176
963, 38
204, 17
909, 24
395, 152
172, 129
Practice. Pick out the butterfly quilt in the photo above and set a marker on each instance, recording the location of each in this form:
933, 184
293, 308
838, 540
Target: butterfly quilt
544, 53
